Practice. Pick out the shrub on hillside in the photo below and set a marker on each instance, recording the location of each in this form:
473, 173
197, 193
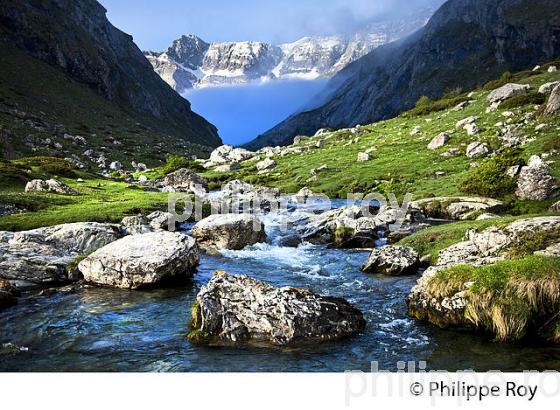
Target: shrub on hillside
490, 179
52, 166
521, 100
175, 162
425, 106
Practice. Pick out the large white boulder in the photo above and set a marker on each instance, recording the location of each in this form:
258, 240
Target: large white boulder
144, 260
229, 231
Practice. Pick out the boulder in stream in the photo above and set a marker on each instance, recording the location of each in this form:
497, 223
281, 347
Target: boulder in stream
140, 261
237, 309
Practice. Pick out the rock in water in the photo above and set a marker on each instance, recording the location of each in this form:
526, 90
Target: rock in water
535, 181
233, 309
392, 260
185, 180
229, 231
553, 105
144, 260
40, 257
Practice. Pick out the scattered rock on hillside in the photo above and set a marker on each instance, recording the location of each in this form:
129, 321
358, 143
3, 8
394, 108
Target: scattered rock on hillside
457, 208
50, 185
115, 166
185, 180
552, 69
266, 164
39, 257
232, 309
229, 231
553, 105
548, 87
302, 195
322, 131
392, 260
555, 207
472, 129
439, 141
477, 149
535, 181
466, 121
508, 91
363, 157
145, 260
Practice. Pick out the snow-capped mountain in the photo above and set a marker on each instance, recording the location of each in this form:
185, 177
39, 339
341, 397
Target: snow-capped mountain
191, 62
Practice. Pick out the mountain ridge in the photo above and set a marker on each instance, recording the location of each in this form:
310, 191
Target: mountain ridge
464, 44
76, 38
190, 62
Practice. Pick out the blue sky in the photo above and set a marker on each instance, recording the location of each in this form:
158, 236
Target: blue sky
154, 24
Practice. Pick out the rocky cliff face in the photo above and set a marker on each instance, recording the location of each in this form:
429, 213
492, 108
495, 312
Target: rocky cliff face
76, 37
466, 43
191, 62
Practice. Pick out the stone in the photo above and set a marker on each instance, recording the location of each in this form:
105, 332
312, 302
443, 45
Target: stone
185, 180
477, 149
302, 195
322, 131
363, 157
323, 167
39, 258
513, 171
237, 309
508, 91
159, 220
466, 121
229, 231
136, 225
535, 182
451, 152
392, 260
220, 154
143, 179
553, 105
552, 69
548, 87
115, 166
472, 129
438, 141
50, 185
456, 208
299, 138
142, 261
555, 207
416, 130
266, 164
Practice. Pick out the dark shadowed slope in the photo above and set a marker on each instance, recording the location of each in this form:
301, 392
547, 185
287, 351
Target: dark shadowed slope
75, 37
466, 43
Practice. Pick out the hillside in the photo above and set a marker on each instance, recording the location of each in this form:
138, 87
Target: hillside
465, 44
65, 69
399, 160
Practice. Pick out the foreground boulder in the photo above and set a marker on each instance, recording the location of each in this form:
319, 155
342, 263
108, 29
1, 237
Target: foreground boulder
233, 309
457, 208
229, 231
392, 260
40, 257
451, 301
535, 181
140, 261
185, 180
50, 185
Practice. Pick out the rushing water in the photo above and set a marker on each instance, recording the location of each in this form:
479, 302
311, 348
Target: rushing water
118, 330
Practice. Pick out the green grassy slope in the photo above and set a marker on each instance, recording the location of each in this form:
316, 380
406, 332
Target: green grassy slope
402, 163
